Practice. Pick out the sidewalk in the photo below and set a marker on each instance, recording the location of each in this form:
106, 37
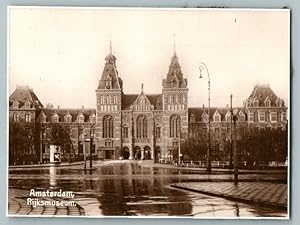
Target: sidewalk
150, 163
261, 193
74, 165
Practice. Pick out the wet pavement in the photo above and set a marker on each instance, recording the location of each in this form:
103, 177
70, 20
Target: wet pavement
128, 189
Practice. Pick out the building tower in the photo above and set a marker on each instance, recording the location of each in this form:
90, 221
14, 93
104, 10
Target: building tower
108, 111
175, 99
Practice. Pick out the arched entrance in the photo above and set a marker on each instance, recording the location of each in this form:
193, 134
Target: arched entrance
125, 153
147, 152
137, 152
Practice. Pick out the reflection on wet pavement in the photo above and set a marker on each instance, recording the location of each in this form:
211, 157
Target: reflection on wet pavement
127, 189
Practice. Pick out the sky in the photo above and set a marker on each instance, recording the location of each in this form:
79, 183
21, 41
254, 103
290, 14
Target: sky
59, 52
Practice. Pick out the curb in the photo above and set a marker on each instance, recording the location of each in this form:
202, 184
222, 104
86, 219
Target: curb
230, 197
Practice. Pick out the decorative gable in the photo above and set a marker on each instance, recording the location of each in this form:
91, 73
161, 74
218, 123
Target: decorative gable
228, 116
217, 116
267, 102
142, 103
204, 117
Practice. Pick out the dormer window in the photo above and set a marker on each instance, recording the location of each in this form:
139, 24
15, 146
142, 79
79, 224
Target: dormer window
242, 116
80, 118
108, 82
68, 118
268, 102
228, 116
27, 104
217, 117
55, 118
175, 82
204, 117
15, 105
279, 102
43, 118
255, 103
92, 118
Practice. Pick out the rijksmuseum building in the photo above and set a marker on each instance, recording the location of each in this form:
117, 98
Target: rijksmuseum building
133, 126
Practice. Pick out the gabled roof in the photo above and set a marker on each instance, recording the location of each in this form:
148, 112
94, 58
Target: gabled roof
129, 99
198, 111
23, 94
261, 93
73, 112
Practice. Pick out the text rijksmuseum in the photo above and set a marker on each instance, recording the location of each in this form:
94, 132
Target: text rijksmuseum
139, 126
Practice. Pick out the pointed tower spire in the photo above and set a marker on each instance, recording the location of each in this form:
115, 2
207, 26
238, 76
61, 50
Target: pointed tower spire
174, 44
110, 47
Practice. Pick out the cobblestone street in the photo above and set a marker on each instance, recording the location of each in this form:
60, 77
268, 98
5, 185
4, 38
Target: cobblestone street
17, 205
263, 193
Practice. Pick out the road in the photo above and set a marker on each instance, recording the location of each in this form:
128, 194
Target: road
123, 188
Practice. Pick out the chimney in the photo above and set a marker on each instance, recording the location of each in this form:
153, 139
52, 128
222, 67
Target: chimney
57, 106
82, 107
203, 106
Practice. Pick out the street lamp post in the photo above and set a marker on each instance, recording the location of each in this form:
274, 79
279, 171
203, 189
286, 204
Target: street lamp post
235, 154
179, 146
91, 153
84, 150
201, 68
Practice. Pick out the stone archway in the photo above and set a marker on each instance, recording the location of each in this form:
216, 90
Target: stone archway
147, 152
125, 153
137, 153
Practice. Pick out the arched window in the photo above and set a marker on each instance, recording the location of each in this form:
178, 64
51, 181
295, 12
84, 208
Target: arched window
175, 126
27, 118
125, 131
108, 126
16, 117
141, 122
108, 82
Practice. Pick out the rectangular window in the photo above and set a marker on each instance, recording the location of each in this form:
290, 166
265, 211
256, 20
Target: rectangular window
251, 116
273, 117
262, 116
267, 117
283, 116
157, 132
125, 132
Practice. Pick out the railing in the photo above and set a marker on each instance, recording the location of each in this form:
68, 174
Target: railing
221, 164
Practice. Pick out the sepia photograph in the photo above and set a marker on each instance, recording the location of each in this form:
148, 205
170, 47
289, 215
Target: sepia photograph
148, 112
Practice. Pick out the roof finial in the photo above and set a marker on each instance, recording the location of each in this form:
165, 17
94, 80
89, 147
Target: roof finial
142, 87
110, 48
174, 44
